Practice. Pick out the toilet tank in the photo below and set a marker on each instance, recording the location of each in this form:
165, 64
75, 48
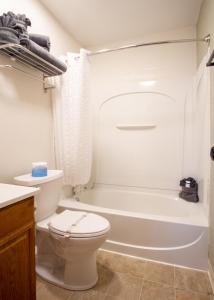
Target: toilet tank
50, 189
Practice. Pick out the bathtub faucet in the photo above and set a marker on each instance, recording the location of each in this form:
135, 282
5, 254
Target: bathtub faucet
76, 198
76, 190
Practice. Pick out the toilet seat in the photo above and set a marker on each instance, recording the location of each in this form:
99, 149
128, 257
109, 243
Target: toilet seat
78, 224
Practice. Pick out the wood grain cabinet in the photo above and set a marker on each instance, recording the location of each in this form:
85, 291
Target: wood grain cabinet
17, 251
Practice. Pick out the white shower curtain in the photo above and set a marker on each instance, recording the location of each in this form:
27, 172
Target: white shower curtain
197, 130
72, 120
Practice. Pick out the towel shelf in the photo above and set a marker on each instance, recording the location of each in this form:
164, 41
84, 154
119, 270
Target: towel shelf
135, 126
46, 84
28, 58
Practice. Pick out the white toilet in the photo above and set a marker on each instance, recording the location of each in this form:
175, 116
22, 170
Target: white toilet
67, 242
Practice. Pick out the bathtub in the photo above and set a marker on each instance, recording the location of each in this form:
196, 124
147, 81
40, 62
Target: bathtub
154, 226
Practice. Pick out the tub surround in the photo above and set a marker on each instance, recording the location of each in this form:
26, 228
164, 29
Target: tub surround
10, 194
121, 96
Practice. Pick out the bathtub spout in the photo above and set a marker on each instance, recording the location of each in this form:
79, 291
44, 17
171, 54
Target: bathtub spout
76, 198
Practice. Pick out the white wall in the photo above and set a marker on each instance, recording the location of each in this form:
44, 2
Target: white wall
144, 158
25, 109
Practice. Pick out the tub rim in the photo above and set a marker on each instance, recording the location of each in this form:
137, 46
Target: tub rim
71, 203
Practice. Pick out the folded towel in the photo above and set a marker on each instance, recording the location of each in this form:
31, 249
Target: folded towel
35, 48
8, 35
7, 21
41, 40
21, 25
17, 22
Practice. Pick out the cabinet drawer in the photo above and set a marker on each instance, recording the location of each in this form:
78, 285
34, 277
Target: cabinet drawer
16, 216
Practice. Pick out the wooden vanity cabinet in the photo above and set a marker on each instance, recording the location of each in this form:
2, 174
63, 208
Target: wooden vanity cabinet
17, 251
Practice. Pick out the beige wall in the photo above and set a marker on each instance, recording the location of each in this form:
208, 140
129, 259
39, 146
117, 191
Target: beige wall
206, 26
25, 109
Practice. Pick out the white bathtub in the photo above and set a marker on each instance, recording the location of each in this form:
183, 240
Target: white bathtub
154, 226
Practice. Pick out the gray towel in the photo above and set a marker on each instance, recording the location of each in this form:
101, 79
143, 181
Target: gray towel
18, 22
35, 48
7, 20
8, 35
41, 40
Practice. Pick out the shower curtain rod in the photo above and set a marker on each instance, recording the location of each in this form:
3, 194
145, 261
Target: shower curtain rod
206, 39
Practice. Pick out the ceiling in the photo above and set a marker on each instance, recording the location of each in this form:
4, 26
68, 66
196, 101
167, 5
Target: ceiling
99, 22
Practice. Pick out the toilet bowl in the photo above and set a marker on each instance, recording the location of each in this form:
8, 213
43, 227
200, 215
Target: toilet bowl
66, 242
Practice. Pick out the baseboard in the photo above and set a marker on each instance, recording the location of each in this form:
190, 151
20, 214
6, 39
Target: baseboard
211, 274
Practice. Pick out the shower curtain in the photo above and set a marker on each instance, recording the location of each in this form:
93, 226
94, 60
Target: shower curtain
72, 120
197, 130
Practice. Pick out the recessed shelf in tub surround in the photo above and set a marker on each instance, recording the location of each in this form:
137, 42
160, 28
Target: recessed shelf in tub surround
10, 194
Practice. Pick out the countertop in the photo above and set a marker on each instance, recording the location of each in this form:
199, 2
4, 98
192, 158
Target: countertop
10, 194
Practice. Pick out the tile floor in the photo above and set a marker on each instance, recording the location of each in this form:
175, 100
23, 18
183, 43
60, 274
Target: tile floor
125, 278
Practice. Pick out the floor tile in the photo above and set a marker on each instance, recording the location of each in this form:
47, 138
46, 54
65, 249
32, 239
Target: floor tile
196, 281
156, 291
186, 295
87, 295
122, 263
159, 273
126, 278
39, 283
48, 291
112, 298
105, 277
125, 286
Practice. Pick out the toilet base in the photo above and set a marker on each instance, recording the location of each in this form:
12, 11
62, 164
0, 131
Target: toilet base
68, 262
56, 277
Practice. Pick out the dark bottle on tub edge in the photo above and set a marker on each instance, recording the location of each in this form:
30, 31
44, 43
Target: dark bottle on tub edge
189, 190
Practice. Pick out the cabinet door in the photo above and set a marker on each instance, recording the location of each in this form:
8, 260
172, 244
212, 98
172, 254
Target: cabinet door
16, 269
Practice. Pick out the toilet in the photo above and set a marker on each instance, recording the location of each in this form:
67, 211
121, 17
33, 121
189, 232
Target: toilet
67, 242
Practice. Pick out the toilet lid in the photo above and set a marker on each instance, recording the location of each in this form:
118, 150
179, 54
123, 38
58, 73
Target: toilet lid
78, 224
